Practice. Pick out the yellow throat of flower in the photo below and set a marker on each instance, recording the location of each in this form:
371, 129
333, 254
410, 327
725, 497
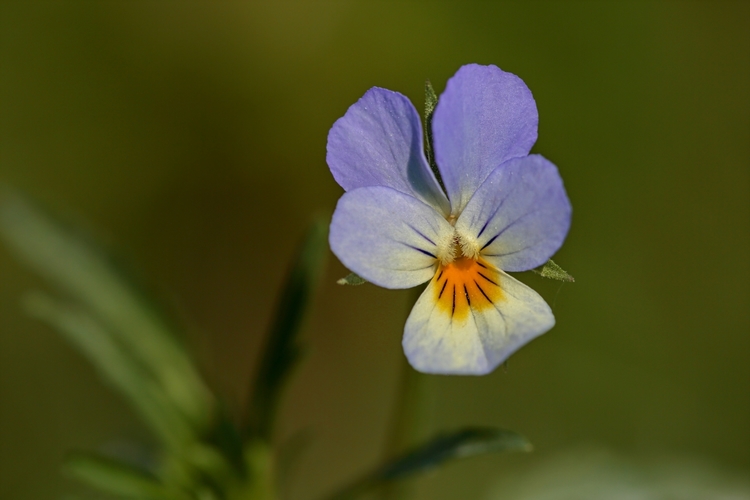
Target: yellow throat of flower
464, 284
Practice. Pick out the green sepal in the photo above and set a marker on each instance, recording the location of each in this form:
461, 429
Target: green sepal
281, 352
553, 271
430, 102
351, 279
457, 445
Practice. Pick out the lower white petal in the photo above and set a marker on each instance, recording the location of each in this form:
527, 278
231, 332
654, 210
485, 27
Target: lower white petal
470, 318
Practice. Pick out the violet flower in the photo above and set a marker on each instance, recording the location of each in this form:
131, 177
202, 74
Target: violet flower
505, 210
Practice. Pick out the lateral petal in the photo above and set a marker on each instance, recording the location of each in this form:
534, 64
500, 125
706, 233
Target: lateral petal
388, 237
455, 328
485, 117
379, 142
520, 215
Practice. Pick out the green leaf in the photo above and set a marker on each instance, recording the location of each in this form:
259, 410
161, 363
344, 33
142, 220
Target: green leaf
115, 365
86, 274
462, 444
226, 437
116, 478
351, 279
553, 271
261, 463
281, 354
430, 102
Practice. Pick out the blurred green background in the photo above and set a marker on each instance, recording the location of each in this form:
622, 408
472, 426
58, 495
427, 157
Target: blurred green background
192, 137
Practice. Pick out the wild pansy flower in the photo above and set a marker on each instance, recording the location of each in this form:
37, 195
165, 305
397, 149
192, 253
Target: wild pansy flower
505, 210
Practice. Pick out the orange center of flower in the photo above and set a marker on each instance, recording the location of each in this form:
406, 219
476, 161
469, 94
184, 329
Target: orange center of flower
465, 284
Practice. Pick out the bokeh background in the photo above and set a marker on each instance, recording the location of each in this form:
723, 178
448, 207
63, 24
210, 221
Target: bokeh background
192, 137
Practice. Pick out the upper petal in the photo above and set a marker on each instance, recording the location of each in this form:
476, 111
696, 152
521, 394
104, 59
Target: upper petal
387, 237
485, 117
469, 326
520, 215
378, 142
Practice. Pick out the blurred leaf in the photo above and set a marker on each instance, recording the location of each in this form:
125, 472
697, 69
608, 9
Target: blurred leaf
462, 444
225, 436
215, 473
553, 271
261, 469
115, 365
351, 279
281, 353
430, 102
86, 273
116, 478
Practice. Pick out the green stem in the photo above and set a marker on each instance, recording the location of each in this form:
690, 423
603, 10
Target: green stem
410, 420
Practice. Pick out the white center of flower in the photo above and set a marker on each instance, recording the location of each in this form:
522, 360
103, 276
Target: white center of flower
455, 245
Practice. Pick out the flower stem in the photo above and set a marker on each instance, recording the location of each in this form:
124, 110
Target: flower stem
410, 420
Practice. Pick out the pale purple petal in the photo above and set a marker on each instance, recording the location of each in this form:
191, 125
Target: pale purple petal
379, 142
520, 215
387, 237
485, 117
